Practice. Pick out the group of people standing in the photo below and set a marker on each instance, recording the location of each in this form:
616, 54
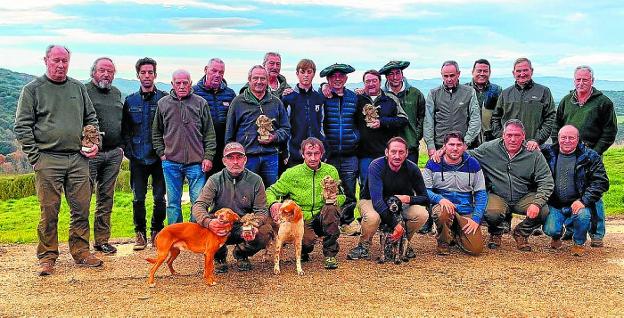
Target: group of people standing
209, 136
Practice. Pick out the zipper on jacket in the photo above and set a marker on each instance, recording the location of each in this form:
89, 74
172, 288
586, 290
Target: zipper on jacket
340, 125
314, 190
509, 177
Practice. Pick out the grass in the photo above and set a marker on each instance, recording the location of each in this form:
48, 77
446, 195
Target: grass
19, 217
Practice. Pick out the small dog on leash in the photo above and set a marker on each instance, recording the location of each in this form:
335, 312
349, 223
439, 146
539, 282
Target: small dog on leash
192, 237
396, 251
290, 230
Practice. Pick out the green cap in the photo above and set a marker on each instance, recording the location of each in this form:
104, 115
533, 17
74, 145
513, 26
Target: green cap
342, 68
392, 65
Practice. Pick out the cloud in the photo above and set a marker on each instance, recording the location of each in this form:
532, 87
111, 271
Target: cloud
576, 17
199, 24
593, 58
49, 4
28, 17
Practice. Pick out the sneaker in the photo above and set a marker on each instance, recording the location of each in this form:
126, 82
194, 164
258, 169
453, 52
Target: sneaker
243, 264
506, 227
90, 261
495, 241
567, 236
410, 253
555, 244
537, 232
577, 250
105, 248
442, 248
221, 266
305, 257
597, 243
46, 268
331, 263
351, 229
359, 252
522, 243
139, 242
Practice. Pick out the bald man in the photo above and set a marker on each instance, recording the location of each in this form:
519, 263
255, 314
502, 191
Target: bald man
184, 138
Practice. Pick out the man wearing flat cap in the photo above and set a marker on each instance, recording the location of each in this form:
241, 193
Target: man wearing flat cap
412, 101
341, 133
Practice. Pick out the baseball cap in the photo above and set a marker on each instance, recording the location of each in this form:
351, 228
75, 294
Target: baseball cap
233, 147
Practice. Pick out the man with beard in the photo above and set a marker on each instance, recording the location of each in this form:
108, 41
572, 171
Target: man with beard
136, 128
104, 168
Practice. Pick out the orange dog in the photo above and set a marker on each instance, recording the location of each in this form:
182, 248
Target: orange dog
290, 230
192, 237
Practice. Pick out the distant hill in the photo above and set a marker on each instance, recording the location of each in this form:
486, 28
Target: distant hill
11, 84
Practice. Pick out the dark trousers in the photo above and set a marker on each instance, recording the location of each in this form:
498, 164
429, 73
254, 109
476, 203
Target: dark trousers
53, 175
104, 169
497, 209
243, 248
325, 224
139, 176
347, 167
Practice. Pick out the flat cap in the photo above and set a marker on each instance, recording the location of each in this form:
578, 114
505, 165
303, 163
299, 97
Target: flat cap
392, 65
342, 68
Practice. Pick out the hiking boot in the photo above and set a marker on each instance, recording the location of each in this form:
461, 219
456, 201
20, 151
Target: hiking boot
139, 241
597, 243
577, 250
331, 263
105, 248
351, 229
506, 227
243, 264
427, 228
495, 241
442, 248
359, 252
522, 243
305, 257
46, 268
555, 244
90, 261
410, 253
221, 266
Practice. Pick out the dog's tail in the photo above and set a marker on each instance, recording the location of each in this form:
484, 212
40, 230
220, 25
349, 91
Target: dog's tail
151, 260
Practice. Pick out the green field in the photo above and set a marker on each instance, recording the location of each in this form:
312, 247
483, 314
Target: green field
19, 217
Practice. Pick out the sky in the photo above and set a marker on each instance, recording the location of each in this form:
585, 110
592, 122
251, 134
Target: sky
556, 35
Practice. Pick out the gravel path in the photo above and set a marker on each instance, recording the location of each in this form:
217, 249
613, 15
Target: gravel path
504, 282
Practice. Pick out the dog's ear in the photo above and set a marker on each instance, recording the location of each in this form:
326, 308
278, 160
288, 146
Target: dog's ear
297, 213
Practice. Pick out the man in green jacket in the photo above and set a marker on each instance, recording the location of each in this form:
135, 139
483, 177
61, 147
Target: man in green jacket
104, 168
241, 190
593, 114
527, 101
412, 101
51, 113
302, 184
518, 181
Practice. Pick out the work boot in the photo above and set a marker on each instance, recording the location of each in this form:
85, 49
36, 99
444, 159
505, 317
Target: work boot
495, 241
537, 232
153, 238
410, 253
89, 261
221, 266
442, 248
46, 268
555, 244
522, 243
105, 248
427, 228
577, 250
359, 252
331, 263
139, 241
243, 264
597, 243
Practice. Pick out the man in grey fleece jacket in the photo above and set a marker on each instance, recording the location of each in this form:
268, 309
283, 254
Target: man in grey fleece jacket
518, 181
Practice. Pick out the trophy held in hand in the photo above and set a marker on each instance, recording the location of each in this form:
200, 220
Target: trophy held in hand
330, 189
265, 127
90, 137
371, 114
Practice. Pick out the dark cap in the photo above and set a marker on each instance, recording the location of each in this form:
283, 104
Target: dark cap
392, 65
342, 68
233, 147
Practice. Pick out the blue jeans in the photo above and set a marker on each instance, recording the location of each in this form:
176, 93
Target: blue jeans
600, 226
347, 167
265, 166
558, 217
174, 179
364, 163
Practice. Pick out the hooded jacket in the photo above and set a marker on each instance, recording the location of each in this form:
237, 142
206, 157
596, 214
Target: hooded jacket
413, 103
241, 122
182, 130
596, 119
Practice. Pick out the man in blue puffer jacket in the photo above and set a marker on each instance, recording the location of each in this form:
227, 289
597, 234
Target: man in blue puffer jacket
341, 133
213, 88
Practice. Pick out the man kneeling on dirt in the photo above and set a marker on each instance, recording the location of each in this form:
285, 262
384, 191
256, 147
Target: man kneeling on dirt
388, 176
241, 190
303, 184
580, 181
456, 188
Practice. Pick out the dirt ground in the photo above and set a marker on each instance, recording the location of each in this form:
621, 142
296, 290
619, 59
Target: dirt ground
503, 282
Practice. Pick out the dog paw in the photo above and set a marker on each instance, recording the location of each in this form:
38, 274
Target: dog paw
152, 285
276, 271
300, 272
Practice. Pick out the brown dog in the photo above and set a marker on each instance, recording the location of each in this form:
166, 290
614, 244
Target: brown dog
290, 230
192, 237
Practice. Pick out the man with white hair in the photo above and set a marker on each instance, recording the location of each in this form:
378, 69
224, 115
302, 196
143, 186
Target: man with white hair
184, 139
104, 168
